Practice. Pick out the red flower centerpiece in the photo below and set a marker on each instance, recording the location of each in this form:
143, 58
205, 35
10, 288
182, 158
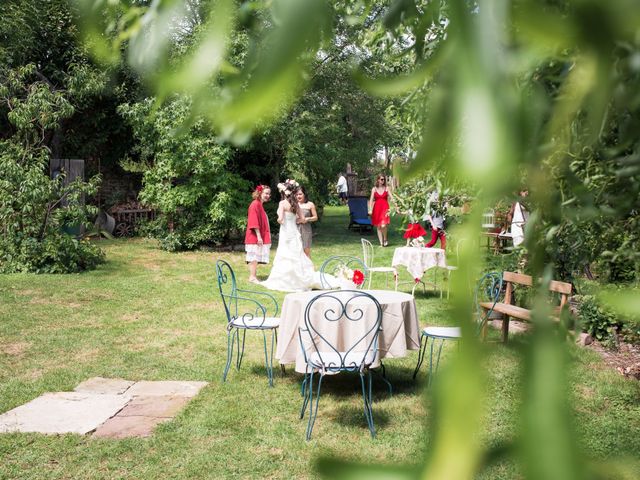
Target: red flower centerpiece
358, 277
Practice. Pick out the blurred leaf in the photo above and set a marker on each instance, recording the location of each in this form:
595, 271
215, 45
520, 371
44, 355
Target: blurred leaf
624, 302
280, 71
342, 470
208, 57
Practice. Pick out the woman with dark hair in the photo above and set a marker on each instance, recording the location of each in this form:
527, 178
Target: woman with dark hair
379, 208
309, 215
257, 240
292, 270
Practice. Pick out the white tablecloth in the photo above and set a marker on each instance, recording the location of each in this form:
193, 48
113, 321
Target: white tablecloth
418, 260
400, 327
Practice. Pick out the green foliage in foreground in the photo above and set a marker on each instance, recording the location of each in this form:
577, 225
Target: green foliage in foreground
151, 315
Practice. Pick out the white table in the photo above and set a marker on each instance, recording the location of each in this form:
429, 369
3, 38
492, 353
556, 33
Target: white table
400, 327
418, 260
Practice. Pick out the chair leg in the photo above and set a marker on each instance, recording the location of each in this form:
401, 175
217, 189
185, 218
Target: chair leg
384, 378
313, 412
421, 352
268, 357
370, 277
231, 334
240, 352
395, 279
366, 397
431, 370
304, 394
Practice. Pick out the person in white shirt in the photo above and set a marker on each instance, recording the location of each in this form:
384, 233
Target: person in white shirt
517, 217
341, 187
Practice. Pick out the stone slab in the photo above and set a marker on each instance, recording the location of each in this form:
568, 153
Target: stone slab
63, 412
125, 427
111, 386
155, 406
165, 388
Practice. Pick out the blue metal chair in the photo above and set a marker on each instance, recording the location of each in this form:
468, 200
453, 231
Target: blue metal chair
359, 214
488, 290
244, 312
325, 352
332, 268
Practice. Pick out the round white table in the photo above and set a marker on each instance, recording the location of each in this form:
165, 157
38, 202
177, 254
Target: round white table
418, 260
400, 327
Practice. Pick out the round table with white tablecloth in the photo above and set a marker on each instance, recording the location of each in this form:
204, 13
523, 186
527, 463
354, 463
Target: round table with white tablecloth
418, 260
400, 327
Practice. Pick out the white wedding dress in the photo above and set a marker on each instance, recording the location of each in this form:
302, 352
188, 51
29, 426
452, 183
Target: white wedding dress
292, 270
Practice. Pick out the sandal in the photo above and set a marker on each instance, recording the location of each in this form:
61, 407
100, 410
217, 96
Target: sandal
254, 280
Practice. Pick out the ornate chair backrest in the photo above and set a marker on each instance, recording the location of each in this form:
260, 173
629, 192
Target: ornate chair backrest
334, 268
342, 328
367, 252
242, 307
489, 290
228, 289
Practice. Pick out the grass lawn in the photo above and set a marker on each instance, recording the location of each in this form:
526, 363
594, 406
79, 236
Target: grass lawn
152, 315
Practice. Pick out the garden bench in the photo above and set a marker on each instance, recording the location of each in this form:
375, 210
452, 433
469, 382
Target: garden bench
512, 311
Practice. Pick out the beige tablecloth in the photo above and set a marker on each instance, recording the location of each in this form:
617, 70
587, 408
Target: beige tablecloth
418, 260
400, 327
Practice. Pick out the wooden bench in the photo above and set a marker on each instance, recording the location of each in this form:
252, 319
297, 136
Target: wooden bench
512, 311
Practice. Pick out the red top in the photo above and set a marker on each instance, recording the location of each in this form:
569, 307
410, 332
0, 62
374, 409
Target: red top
257, 218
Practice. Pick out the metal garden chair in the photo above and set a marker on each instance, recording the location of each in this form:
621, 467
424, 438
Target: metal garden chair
326, 351
244, 312
488, 290
367, 251
333, 268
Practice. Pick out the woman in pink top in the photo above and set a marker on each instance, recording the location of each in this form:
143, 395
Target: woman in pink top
257, 240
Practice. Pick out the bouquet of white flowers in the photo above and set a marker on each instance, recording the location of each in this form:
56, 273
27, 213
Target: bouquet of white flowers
349, 278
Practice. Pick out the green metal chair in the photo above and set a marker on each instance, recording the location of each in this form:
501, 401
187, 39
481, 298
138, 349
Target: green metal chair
245, 312
488, 290
326, 353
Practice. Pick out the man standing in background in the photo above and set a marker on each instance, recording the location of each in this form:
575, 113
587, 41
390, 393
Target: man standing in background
341, 187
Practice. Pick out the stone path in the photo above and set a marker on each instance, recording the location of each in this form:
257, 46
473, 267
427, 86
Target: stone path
111, 408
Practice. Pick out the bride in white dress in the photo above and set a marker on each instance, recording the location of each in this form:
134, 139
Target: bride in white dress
292, 270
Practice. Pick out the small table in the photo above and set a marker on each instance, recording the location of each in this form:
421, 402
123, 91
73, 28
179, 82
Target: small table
418, 260
400, 327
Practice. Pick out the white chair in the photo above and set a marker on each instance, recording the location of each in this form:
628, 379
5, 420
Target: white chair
367, 251
453, 268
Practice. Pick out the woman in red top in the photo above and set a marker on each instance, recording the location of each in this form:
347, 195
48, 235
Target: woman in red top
257, 240
379, 208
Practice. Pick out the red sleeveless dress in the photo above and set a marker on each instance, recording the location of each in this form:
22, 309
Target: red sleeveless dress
380, 213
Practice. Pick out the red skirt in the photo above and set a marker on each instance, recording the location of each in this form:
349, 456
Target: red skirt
414, 230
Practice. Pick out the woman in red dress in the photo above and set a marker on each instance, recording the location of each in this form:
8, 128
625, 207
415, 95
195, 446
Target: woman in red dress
379, 208
257, 240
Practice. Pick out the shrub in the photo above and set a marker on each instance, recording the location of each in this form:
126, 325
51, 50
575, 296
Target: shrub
597, 321
35, 209
186, 177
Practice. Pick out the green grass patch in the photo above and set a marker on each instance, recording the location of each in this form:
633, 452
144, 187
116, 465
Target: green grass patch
152, 315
